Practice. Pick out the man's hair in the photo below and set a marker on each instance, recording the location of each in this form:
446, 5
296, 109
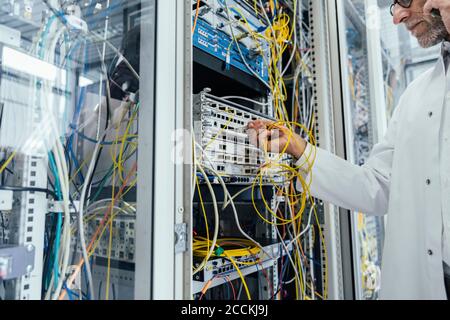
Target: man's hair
436, 34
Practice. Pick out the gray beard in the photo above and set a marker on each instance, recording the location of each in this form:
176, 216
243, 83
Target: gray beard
438, 32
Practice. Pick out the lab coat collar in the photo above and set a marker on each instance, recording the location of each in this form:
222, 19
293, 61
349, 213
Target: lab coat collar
445, 48
439, 68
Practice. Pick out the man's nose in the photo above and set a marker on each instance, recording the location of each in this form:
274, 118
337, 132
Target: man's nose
401, 14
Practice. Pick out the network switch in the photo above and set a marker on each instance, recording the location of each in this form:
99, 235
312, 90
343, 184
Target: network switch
213, 35
221, 129
218, 268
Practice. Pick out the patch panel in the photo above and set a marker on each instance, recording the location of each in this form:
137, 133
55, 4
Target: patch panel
220, 128
222, 267
123, 241
213, 36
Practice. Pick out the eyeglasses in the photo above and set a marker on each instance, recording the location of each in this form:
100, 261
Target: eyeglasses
402, 3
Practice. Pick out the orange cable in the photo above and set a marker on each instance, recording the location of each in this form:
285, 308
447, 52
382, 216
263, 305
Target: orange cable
96, 234
196, 16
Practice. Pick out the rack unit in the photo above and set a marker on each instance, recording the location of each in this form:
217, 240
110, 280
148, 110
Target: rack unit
223, 104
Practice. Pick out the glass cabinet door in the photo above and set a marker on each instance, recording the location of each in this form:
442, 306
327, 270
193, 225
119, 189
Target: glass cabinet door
69, 132
360, 67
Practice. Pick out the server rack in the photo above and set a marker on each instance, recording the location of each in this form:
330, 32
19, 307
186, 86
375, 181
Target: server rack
71, 85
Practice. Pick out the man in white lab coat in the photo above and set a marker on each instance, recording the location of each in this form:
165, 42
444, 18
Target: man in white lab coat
407, 175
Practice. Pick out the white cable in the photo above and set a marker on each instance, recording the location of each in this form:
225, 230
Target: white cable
236, 216
196, 144
61, 165
288, 254
226, 204
271, 27
116, 51
92, 212
102, 58
89, 34
301, 267
64, 182
296, 243
93, 205
216, 222
306, 228
90, 172
65, 243
240, 51
240, 291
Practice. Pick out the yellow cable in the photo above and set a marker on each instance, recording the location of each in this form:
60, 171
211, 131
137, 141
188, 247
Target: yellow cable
124, 140
221, 130
5, 165
240, 275
206, 221
113, 185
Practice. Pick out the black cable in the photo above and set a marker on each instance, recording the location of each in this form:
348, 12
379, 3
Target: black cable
67, 155
3, 228
9, 170
96, 164
108, 102
99, 289
6, 170
114, 291
30, 189
50, 183
51, 242
96, 183
274, 295
108, 119
281, 279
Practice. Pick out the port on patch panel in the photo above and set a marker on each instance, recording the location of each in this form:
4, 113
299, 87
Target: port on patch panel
203, 43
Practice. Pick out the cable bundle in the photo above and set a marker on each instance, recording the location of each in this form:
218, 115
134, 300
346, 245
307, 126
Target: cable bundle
281, 35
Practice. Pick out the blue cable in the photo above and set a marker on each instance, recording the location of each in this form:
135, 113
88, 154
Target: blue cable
86, 278
260, 29
75, 120
69, 292
108, 143
52, 165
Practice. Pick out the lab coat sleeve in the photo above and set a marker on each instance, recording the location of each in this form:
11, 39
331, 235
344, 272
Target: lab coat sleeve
363, 189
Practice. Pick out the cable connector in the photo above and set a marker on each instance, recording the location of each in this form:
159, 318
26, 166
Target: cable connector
219, 251
228, 60
58, 207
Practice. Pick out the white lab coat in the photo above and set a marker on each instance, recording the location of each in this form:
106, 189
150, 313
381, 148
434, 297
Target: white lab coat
401, 179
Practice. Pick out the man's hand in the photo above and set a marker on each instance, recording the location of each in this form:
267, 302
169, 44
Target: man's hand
271, 137
443, 6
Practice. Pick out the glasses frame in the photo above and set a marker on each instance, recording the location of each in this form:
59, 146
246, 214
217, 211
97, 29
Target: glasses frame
401, 5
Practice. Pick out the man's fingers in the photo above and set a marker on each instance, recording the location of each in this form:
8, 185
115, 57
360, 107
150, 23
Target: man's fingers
427, 8
253, 136
274, 143
275, 146
259, 124
262, 138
